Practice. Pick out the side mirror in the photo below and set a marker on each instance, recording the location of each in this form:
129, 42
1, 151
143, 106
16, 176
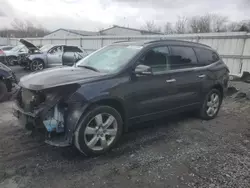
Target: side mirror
143, 70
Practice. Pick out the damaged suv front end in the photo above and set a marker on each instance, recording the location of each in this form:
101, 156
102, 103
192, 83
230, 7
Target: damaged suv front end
55, 106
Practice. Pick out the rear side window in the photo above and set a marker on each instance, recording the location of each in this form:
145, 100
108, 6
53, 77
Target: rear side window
182, 57
72, 49
206, 56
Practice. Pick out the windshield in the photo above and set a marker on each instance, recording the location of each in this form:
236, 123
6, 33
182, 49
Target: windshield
111, 58
17, 48
46, 47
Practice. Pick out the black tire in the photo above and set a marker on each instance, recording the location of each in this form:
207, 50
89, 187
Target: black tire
36, 65
79, 138
11, 60
3, 91
203, 110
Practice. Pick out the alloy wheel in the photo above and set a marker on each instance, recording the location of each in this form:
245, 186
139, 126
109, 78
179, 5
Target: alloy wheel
101, 131
213, 104
37, 65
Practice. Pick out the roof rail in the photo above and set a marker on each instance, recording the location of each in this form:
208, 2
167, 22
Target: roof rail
162, 40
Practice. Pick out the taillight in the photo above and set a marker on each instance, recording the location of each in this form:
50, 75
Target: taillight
1, 52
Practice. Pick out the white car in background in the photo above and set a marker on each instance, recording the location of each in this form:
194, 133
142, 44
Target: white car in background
12, 55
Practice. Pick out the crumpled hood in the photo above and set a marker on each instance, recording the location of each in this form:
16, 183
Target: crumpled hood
57, 77
29, 45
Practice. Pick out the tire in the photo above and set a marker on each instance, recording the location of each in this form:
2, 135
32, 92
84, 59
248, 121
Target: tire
3, 91
36, 65
90, 140
11, 60
207, 114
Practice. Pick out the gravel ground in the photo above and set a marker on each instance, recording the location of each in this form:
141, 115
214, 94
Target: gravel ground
180, 151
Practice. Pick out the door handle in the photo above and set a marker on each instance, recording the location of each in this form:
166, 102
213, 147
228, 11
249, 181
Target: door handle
172, 80
202, 76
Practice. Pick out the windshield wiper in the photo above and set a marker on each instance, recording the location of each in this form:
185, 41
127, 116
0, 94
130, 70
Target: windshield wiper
88, 67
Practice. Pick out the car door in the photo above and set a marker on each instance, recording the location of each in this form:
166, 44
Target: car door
186, 89
149, 94
54, 56
205, 72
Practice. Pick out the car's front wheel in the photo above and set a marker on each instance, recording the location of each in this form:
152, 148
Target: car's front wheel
98, 131
211, 105
36, 65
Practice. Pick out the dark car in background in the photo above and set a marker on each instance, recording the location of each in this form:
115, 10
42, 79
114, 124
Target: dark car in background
49, 55
91, 104
7, 81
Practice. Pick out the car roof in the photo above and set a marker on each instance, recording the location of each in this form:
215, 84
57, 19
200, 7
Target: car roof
165, 41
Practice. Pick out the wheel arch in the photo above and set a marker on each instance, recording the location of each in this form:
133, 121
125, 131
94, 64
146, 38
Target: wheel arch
219, 87
40, 59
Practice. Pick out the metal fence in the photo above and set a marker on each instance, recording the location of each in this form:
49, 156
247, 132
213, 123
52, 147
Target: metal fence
3, 41
233, 47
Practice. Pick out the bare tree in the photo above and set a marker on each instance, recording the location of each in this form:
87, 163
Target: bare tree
200, 24
27, 29
233, 26
168, 28
218, 22
152, 27
181, 25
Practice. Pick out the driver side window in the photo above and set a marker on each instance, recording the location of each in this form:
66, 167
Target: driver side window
157, 59
56, 50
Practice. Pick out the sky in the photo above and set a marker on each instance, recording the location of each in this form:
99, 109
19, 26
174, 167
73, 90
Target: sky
93, 15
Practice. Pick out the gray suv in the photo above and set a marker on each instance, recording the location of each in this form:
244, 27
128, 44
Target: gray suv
49, 55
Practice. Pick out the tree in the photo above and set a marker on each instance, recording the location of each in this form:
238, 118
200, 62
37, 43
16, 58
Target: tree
151, 27
233, 26
168, 28
200, 24
28, 29
218, 22
181, 25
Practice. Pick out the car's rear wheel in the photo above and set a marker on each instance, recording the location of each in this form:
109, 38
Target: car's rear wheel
36, 65
211, 105
98, 131
3, 90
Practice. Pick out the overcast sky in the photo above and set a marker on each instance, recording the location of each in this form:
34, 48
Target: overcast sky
96, 14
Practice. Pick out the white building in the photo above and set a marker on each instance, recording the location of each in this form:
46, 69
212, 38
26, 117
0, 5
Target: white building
124, 31
112, 31
67, 33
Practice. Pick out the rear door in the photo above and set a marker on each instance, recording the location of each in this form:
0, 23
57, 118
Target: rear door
54, 56
206, 72
186, 88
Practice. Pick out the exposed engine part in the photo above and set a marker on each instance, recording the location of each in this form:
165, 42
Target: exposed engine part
54, 121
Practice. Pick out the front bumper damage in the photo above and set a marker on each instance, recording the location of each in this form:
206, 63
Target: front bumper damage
57, 117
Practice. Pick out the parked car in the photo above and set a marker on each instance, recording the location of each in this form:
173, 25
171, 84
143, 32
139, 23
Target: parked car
3, 50
12, 55
50, 55
7, 81
91, 104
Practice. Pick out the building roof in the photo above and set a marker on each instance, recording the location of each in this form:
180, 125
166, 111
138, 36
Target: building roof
78, 32
133, 29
